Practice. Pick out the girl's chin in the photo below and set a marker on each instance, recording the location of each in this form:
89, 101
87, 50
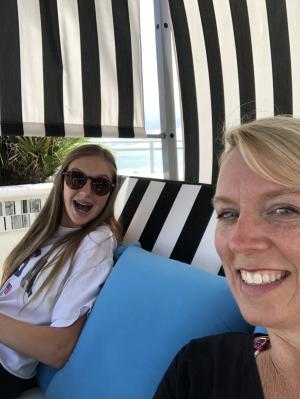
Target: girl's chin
73, 221
79, 218
72, 224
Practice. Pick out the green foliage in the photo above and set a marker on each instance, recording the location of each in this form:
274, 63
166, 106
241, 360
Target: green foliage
25, 160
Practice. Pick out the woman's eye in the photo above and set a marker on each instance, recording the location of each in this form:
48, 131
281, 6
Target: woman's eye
285, 210
226, 215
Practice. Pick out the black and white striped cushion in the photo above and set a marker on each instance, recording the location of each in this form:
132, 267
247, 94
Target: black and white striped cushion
70, 68
238, 60
171, 218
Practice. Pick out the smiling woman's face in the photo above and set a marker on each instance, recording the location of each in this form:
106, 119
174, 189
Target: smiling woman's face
258, 240
83, 205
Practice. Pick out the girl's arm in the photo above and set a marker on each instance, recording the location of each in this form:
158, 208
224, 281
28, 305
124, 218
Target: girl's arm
50, 345
53, 344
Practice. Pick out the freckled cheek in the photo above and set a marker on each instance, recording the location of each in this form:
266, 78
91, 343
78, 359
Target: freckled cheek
65, 197
67, 194
287, 242
221, 243
290, 249
101, 202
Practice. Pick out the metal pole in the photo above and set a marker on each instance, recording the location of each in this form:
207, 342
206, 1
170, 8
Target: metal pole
163, 37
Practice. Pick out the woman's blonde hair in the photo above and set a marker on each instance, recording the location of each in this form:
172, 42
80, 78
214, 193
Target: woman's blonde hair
270, 147
49, 219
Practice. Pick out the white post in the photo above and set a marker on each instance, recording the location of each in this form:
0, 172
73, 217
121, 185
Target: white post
166, 90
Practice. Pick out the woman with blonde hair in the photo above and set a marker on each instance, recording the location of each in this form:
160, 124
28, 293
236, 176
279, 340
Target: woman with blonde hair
52, 277
257, 202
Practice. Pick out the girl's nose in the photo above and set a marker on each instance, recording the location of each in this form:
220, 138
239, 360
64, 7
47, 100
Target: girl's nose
87, 188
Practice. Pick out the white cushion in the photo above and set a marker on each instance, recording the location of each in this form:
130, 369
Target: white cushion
173, 219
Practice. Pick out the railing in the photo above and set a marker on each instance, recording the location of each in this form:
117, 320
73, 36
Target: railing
19, 206
140, 157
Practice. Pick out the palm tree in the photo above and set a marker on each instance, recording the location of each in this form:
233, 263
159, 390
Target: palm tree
26, 160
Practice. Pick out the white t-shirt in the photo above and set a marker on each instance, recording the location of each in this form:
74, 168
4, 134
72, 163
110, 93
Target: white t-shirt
93, 262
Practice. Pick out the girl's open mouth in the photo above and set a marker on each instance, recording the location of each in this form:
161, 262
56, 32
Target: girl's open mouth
82, 207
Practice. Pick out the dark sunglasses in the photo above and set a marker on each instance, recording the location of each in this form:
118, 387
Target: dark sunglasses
76, 180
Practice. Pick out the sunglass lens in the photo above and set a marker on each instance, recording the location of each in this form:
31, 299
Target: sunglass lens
101, 186
76, 179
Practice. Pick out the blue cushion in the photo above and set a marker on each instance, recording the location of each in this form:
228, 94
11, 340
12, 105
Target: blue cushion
44, 375
148, 309
260, 330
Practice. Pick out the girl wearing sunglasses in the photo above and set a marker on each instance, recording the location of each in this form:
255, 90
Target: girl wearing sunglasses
52, 277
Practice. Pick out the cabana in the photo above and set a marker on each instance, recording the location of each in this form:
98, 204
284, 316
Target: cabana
73, 67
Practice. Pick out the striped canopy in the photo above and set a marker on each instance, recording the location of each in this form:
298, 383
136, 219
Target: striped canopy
70, 67
238, 60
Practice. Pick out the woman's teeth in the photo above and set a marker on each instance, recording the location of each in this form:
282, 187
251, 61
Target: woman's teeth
262, 277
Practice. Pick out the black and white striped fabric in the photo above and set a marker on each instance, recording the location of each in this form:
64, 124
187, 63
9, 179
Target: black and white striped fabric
71, 67
171, 218
238, 60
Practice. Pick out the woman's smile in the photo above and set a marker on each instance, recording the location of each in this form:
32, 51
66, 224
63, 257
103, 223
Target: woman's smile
258, 277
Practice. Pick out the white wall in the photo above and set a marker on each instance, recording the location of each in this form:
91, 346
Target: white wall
19, 206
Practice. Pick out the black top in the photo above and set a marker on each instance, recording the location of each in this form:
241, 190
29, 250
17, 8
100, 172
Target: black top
217, 367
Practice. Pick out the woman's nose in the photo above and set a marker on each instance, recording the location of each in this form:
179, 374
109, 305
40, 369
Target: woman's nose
248, 234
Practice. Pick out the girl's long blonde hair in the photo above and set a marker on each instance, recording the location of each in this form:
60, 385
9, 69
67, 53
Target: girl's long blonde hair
49, 219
